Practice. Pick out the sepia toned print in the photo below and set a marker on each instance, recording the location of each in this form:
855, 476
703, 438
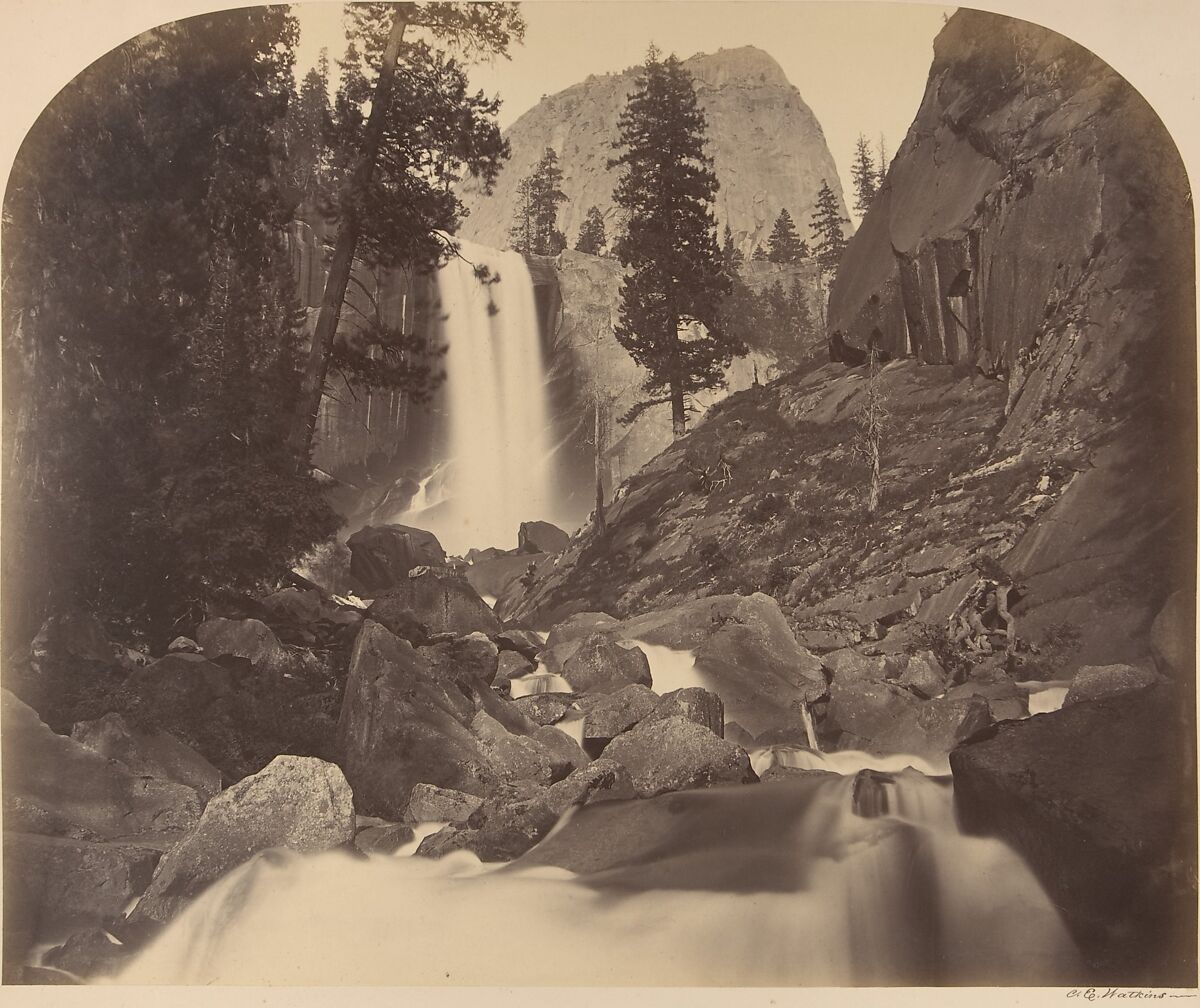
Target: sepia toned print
611, 473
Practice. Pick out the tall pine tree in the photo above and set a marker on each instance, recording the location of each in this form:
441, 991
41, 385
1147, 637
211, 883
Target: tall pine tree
784, 245
829, 238
406, 129
675, 275
151, 332
535, 221
864, 175
731, 255
592, 237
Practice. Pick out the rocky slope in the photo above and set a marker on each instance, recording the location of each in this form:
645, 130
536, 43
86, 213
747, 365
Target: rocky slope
768, 148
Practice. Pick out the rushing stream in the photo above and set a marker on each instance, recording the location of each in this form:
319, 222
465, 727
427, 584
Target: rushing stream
856, 878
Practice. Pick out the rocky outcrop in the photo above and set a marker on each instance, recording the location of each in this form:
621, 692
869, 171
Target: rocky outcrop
399, 727
768, 148
381, 556
600, 666
249, 638
676, 754
541, 537
441, 601
1099, 799
57, 787
296, 802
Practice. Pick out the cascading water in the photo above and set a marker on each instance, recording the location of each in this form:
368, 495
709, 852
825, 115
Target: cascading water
827, 880
499, 439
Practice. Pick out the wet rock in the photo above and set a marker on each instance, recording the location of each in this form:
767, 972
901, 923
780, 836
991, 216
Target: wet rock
298, 802
441, 601
921, 673
883, 718
1092, 682
738, 735
1004, 700
1173, 637
463, 660
512, 757
88, 954
183, 644
434, 804
149, 752
383, 839
676, 754
447, 840
579, 626
541, 537
566, 755
524, 642
54, 886
249, 638
694, 703
606, 717
545, 708
399, 727
602, 666
1099, 799
54, 785
381, 556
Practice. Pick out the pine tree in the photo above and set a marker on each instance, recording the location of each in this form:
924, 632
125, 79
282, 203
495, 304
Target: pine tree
865, 176
592, 237
731, 255
675, 276
151, 326
395, 169
784, 245
883, 163
535, 221
829, 240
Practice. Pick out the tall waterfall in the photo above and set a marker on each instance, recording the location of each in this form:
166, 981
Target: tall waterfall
495, 395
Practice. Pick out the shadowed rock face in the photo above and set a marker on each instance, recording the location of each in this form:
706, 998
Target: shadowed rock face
1091, 797
768, 147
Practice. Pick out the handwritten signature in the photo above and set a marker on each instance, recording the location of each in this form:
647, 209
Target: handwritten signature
1132, 993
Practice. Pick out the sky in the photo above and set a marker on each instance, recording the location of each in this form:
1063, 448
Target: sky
860, 67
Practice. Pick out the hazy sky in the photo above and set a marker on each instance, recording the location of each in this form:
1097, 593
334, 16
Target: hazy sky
860, 67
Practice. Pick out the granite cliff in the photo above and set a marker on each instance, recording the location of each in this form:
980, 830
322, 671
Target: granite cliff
767, 145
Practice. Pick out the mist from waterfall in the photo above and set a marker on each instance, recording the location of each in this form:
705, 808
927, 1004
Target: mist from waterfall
496, 471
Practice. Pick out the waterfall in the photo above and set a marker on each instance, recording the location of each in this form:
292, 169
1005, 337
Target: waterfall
829, 880
498, 451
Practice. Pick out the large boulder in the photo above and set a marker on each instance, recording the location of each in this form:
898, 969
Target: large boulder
883, 718
493, 575
296, 802
463, 660
921, 674
1099, 798
434, 804
294, 607
541, 537
545, 708
600, 665
57, 787
381, 556
440, 600
1173, 636
149, 752
512, 757
676, 754
73, 636
247, 638
694, 703
1093, 682
607, 716
400, 726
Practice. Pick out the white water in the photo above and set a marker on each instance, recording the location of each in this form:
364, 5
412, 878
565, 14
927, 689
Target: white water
1045, 698
761, 885
670, 668
497, 473
538, 682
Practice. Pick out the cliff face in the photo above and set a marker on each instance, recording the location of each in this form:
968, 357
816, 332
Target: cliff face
768, 149
1034, 238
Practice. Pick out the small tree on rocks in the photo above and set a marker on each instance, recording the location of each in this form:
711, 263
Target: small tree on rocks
592, 237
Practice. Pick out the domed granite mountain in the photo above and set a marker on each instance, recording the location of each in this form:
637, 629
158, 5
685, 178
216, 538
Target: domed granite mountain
768, 147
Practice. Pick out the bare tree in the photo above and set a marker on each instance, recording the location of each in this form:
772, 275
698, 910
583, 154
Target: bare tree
871, 421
